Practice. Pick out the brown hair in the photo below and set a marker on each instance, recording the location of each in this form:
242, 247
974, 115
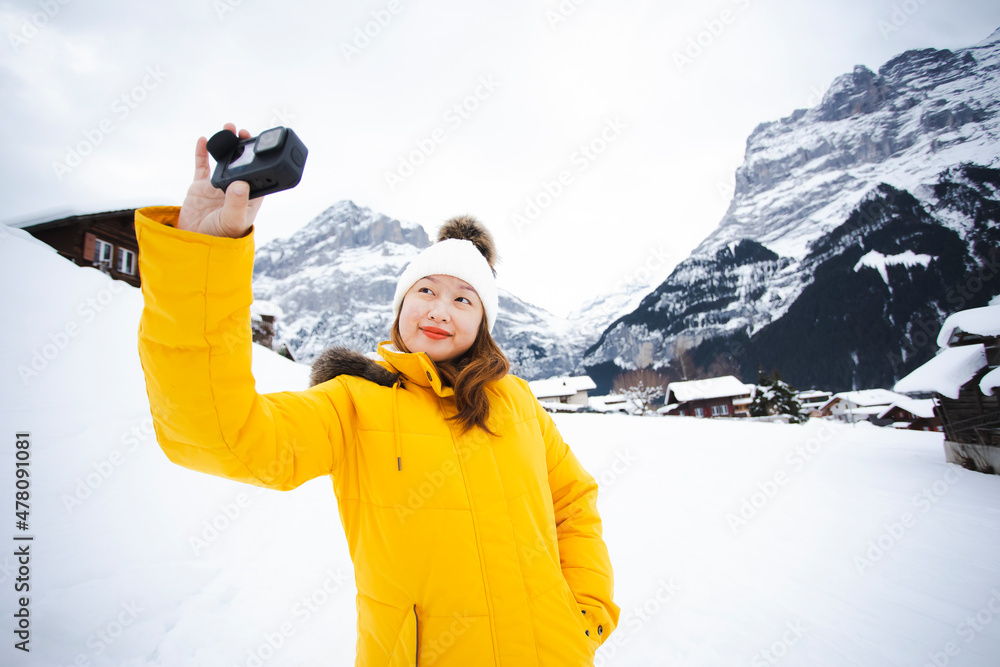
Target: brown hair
469, 375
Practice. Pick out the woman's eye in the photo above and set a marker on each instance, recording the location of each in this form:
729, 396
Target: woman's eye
464, 299
426, 290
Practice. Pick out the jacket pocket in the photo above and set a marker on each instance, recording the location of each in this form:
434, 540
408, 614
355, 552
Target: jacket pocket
578, 612
388, 636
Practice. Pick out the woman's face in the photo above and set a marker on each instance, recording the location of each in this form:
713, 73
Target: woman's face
440, 315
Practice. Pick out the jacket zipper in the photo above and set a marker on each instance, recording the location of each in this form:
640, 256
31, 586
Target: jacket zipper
416, 638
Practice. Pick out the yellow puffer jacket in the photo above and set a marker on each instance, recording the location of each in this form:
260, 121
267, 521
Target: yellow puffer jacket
468, 549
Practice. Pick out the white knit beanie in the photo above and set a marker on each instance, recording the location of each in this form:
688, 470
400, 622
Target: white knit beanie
464, 250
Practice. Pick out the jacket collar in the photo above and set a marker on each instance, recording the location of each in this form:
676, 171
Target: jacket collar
417, 367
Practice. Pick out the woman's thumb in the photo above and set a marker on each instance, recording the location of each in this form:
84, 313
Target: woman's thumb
234, 210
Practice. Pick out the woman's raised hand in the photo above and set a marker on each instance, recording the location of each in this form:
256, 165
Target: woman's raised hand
207, 209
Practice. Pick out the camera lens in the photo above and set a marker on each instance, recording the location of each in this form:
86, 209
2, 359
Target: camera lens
269, 140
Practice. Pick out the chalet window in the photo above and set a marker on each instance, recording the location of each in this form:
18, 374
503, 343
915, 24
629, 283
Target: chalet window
102, 251
126, 261
699, 412
720, 410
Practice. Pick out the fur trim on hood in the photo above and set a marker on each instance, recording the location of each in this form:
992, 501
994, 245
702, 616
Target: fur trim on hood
342, 361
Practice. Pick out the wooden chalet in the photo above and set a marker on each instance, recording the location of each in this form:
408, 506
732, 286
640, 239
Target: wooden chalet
564, 389
861, 405
965, 376
912, 414
712, 397
105, 241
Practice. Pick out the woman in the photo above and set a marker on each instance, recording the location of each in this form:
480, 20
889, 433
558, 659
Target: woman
472, 527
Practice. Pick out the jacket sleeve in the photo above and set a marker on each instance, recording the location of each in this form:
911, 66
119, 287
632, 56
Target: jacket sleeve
195, 348
583, 554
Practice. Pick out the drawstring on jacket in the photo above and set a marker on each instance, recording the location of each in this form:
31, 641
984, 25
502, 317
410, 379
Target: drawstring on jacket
395, 425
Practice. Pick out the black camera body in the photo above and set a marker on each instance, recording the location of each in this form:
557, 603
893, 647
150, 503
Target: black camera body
270, 162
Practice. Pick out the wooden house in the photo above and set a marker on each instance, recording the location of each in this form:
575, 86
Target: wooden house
723, 396
861, 405
569, 390
965, 376
105, 241
912, 414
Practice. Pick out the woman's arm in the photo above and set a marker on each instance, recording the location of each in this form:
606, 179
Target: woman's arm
195, 349
583, 555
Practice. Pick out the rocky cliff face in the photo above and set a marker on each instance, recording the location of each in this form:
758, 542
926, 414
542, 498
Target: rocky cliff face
909, 136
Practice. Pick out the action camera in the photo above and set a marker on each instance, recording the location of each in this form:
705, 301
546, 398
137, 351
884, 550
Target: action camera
270, 162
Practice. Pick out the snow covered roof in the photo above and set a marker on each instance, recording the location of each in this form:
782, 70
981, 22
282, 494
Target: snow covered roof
990, 382
812, 395
57, 214
874, 410
262, 307
983, 321
916, 407
613, 402
561, 386
947, 372
720, 387
867, 397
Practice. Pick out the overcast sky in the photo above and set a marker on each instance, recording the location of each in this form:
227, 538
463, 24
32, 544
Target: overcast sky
621, 121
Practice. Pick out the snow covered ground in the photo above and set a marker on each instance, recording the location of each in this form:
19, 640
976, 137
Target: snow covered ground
734, 543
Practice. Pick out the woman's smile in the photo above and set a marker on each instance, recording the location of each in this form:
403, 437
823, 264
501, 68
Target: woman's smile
435, 333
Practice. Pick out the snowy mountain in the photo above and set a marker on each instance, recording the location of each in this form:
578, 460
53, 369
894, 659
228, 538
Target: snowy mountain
824, 544
853, 225
334, 281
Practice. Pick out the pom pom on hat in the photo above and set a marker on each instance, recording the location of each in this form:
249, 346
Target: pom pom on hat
464, 250
468, 228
